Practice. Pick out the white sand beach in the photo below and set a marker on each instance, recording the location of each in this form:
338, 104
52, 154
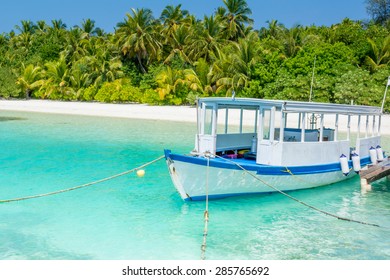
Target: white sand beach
135, 111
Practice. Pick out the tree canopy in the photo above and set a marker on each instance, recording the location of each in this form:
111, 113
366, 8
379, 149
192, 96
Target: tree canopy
173, 58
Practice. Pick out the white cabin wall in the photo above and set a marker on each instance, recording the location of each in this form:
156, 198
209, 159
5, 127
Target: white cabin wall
269, 153
205, 143
301, 153
234, 141
363, 145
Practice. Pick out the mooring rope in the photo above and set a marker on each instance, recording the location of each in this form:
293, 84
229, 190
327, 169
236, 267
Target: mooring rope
294, 176
206, 212
84, 185
300, 179
296, 199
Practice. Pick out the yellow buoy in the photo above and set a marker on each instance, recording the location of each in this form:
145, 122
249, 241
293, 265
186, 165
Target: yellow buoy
140, 173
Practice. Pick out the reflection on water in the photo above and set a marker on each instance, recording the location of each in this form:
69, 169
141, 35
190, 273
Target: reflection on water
5, 119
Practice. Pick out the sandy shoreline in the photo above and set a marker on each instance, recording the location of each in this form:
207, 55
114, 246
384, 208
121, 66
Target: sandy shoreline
134, 111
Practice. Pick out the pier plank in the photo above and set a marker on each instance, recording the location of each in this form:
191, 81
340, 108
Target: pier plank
376, 172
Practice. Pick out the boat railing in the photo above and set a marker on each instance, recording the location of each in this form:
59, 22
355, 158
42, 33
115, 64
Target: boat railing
277, 128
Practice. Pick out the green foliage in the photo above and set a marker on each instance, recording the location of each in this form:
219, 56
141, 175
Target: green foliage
253, 90
46, 46
150, 96
327, 56
359, 87
178, 58
130, 70
266, 71
121, 91
88, 94
8, 87
379, 10
118, 91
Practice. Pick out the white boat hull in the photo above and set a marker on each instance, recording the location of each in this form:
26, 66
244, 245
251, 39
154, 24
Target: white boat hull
195, 181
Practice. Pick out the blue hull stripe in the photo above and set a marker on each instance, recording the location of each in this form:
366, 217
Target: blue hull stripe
263, 169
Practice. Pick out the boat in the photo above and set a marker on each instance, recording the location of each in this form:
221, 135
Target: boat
246, 146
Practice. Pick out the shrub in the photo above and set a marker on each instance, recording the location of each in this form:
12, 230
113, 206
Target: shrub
119, 91
8, 87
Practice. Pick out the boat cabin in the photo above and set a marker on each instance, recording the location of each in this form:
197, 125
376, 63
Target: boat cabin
285, 133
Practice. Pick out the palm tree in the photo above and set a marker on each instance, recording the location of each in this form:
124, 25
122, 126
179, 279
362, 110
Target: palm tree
57, 83
168, 81
23, 41
206, 39
57, 28
3, 40
177, 42
175, 30
27, 27
41, 26
237, 15
89, 29
75, 45
30, 79
172, 17
79, 79
106, 67
199, 78
274, 30
379, 56
220, 13
58, 24
231, 72
137, 38
292, 40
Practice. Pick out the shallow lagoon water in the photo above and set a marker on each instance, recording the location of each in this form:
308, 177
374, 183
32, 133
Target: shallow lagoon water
144, 218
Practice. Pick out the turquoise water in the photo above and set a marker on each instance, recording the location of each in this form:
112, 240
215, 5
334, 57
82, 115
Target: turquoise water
144, 218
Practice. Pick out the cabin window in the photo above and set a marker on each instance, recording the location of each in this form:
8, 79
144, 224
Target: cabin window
237, 120
266, 124
278, 120
249, 121
292, 124
226, 118
208, 120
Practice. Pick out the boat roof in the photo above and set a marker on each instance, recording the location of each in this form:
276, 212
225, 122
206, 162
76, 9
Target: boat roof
291, 106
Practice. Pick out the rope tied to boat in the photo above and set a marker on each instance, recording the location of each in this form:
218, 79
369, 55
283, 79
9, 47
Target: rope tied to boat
294, 176
206, 212
84, 185
296, 199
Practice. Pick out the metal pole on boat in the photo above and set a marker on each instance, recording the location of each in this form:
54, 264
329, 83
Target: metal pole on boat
384, 96
349, 127
197, 123
303, 127
321, 128
367, 121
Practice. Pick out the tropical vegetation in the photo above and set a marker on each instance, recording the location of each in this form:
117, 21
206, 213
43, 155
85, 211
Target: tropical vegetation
175, 58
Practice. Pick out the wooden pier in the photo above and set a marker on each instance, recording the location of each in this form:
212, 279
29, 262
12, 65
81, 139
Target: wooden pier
374, 172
